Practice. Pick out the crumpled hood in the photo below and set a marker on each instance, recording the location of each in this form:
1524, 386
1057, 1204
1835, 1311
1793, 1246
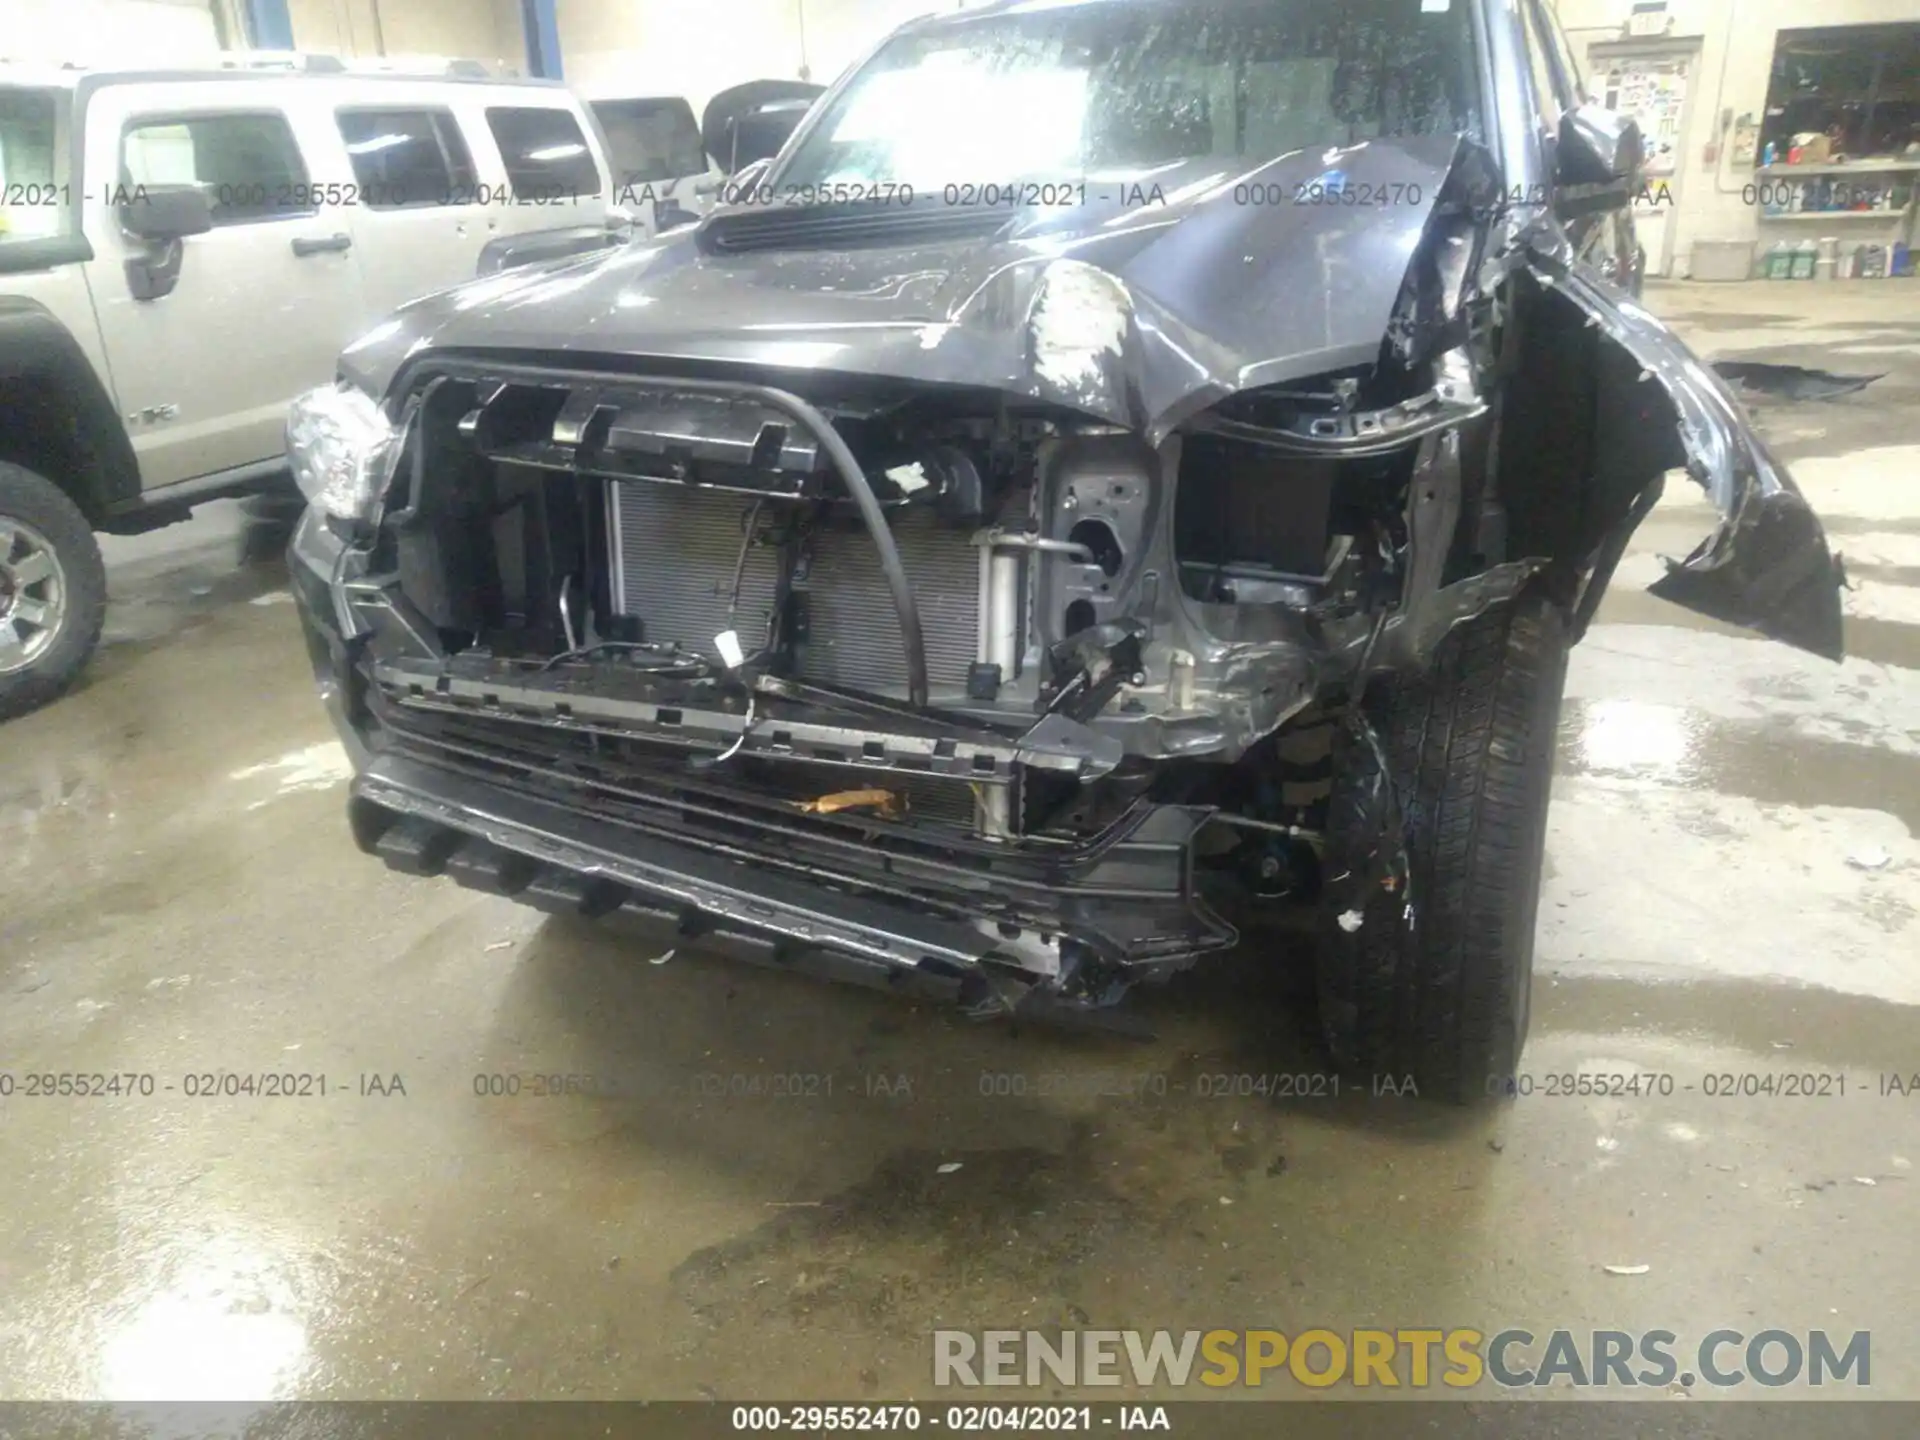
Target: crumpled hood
1139, 307
1154, 297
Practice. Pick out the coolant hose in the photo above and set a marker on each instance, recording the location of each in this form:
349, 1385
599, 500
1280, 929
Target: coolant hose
856, 481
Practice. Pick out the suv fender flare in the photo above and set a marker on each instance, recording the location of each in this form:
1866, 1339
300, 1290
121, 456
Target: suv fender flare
84, 449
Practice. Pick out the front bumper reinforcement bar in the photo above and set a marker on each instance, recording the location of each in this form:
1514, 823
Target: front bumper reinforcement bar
976, 756
427, 818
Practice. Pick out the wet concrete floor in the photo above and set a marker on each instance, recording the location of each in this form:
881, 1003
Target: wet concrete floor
770, 1207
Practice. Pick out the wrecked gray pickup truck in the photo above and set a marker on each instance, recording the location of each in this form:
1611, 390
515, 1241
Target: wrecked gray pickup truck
1122, 465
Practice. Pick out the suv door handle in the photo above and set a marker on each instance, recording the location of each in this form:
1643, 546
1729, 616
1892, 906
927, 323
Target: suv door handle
304, 247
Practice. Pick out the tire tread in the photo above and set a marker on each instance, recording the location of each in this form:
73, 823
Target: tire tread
1469, 743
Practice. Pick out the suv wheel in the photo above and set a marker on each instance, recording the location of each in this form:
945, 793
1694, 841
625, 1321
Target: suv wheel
53, 590
1443, 997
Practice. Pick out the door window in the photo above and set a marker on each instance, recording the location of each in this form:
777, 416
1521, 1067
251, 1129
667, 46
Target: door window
36, 199
546, 155
651, 140
248, 165
407, 157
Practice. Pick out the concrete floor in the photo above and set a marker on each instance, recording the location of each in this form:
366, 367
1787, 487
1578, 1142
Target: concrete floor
178, 895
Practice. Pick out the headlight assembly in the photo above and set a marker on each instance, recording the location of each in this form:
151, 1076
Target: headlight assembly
340, 446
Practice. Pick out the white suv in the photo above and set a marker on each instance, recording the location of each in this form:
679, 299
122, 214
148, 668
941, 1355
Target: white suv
182, 253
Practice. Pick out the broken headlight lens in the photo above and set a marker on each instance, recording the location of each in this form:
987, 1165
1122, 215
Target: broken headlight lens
340, 445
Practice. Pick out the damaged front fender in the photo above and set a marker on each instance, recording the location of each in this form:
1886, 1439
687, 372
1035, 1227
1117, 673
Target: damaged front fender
1767, 565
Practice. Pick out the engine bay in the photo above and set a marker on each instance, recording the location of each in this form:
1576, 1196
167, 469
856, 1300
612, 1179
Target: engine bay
687, 570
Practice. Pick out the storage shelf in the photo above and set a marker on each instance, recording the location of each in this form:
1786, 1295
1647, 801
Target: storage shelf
1885, 217
1859, 167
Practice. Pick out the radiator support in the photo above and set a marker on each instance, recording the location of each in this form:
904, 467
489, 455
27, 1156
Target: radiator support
672, 554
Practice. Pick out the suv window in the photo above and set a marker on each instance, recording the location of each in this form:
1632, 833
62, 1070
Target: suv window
36, 200
545, 154
651, 140
407, 157
249, 165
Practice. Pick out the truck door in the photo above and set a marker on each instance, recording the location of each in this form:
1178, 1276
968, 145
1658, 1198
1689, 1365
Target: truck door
262, 304
654, 149
547, 163
421, 216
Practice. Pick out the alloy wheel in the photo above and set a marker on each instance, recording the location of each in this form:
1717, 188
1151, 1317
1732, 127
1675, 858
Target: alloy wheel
33, 595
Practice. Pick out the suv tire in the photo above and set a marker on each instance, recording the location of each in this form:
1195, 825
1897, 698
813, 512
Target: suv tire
53, 590
1470, 746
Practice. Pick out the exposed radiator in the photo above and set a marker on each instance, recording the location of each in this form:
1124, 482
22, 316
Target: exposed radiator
674, 549
673, 553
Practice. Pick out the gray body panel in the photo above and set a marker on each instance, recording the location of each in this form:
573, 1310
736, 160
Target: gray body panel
1209, 293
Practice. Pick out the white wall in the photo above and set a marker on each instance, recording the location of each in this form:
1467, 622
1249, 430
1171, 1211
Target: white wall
107, 32
1736, 59
696, 48
676, 47
484, 30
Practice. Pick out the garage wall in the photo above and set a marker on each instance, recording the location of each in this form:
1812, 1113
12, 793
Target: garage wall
698, 47
484, 30
107, 32
1736, 58
676, 47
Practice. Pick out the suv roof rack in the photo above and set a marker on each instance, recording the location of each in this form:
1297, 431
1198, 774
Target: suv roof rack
280, 60
312, 63
421, 65
85, 80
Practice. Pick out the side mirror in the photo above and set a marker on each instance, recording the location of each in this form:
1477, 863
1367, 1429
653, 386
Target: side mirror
165, 212
1597, 146
161, 215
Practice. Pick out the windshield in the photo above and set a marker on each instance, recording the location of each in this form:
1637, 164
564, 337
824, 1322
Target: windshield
1128, 84
36, 202
650, 140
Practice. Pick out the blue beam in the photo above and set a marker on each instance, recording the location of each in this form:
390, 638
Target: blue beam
269, 27
541, 21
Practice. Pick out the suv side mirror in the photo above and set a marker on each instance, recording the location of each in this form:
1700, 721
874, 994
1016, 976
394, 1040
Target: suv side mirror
1597, 146
166, 212
163, 216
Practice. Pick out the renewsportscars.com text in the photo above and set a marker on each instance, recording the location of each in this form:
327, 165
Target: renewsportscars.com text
1458, 1359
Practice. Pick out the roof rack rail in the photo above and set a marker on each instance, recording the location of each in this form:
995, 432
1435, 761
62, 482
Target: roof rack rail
421, 65
281, 60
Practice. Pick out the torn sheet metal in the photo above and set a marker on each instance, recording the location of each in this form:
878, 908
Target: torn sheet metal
1767, 566
1147, 314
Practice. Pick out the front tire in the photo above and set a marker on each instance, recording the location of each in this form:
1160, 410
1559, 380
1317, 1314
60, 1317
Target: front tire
1469, 742
53, 591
